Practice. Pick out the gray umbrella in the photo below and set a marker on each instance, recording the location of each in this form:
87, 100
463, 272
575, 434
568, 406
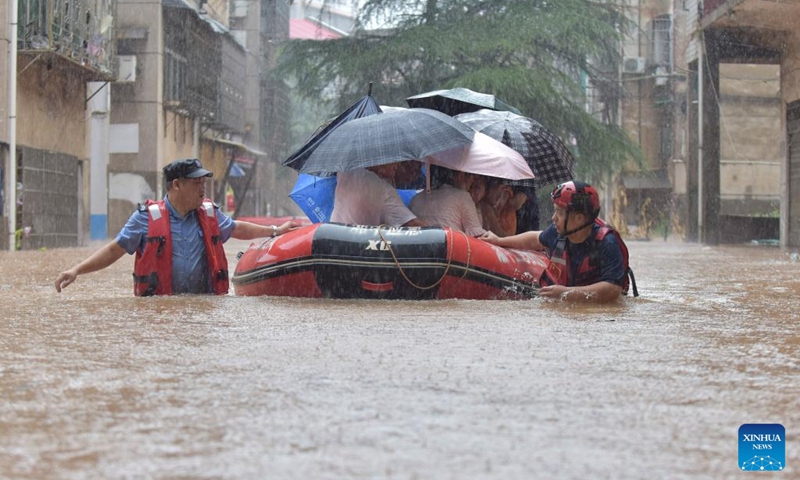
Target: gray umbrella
458, 100
547, 155
394, 136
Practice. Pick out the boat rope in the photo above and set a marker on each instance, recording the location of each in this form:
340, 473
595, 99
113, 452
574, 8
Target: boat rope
447, 268
469, 257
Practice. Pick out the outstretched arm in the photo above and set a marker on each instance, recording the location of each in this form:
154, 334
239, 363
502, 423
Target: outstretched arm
524, 240
600, 292
99, 260
248, 231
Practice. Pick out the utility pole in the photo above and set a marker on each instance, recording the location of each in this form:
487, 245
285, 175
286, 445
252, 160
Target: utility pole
11, 189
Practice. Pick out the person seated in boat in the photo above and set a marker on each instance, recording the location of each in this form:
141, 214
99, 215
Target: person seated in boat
366, 196
177, 240
492, 204
409, 175
478, 191
528, 214
507, 218
450, 204
588, 259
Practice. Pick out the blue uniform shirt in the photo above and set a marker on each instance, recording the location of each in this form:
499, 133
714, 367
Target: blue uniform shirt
189, 269
611, 265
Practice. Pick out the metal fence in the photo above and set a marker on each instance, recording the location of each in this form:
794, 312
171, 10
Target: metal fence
81, 30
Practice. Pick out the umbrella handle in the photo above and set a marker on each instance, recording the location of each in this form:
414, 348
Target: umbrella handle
428, 176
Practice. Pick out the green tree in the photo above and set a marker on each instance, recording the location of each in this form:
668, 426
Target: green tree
534, 54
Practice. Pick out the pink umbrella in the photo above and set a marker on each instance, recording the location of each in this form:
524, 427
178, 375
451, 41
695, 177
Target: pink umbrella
484, 156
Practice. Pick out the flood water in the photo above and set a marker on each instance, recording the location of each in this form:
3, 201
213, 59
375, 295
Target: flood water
98, 384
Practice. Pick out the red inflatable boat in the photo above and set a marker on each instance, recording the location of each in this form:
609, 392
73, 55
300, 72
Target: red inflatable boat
346, 261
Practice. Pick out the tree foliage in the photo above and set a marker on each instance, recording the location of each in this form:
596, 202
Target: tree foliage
537, 55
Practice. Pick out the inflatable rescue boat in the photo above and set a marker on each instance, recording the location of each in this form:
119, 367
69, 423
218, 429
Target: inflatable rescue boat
414, 263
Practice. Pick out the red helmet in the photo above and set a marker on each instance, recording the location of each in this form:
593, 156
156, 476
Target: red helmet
577, 197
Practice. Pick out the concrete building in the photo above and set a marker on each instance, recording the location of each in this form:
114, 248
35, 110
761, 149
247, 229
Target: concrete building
109, 92
61, 46
331, 18
201, 89
756, 42
707, 101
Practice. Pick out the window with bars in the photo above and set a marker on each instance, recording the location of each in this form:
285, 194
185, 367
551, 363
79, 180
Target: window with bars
174, 76
661, 41
192, 64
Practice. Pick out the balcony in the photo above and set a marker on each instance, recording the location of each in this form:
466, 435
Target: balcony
79, 32
781, 15
203, 70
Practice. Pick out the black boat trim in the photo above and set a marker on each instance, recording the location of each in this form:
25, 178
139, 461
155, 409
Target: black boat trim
308, 263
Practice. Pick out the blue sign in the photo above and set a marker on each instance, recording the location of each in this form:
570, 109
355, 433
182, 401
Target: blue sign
762, 447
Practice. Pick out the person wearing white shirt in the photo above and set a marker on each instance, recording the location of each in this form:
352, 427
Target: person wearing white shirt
450, 205
364, 197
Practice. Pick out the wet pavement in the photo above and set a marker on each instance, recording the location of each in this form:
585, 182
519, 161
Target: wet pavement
99, 384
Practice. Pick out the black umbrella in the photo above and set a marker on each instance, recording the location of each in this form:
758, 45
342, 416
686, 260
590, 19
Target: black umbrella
547, 155
458, 100
365, 107
393, 136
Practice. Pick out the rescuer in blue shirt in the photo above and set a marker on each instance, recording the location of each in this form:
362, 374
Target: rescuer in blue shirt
191, 247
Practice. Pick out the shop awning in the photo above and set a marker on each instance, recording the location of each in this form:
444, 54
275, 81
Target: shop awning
645, 181
241, 146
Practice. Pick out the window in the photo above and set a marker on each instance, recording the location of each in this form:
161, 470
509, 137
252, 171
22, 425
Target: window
660, 42
175, 76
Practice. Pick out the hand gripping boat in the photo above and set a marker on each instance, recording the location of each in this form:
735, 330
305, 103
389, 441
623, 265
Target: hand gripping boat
416, 263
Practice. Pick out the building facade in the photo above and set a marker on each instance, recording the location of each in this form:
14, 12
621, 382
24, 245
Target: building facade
708, 100
199, 92
755, 41
109, 92
61, 46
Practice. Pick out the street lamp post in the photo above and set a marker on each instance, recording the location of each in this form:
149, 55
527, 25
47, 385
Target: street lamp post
11, 189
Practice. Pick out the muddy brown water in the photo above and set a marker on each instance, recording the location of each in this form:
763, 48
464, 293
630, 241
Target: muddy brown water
98, 384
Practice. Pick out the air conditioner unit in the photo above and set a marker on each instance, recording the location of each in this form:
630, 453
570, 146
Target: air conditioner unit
126, 71
633, 65
661, 76
239, 9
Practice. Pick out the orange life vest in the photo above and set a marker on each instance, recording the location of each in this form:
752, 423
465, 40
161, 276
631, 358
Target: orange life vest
152, 270
559, 271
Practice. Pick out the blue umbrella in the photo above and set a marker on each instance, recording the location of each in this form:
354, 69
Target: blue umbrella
315, 195
236, 171
362, 108
407, 195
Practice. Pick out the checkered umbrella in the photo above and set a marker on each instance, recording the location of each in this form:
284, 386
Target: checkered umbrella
458, 100
389, 137
547, 155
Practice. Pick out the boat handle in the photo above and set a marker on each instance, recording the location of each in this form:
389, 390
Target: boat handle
377, 287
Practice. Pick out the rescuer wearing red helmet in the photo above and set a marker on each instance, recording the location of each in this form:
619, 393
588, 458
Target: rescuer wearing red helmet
588, 259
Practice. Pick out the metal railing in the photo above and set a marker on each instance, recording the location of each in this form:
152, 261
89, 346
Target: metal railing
711, 5
81, 30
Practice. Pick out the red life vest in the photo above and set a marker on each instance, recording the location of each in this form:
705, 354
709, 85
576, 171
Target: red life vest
152, 270
559, 271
